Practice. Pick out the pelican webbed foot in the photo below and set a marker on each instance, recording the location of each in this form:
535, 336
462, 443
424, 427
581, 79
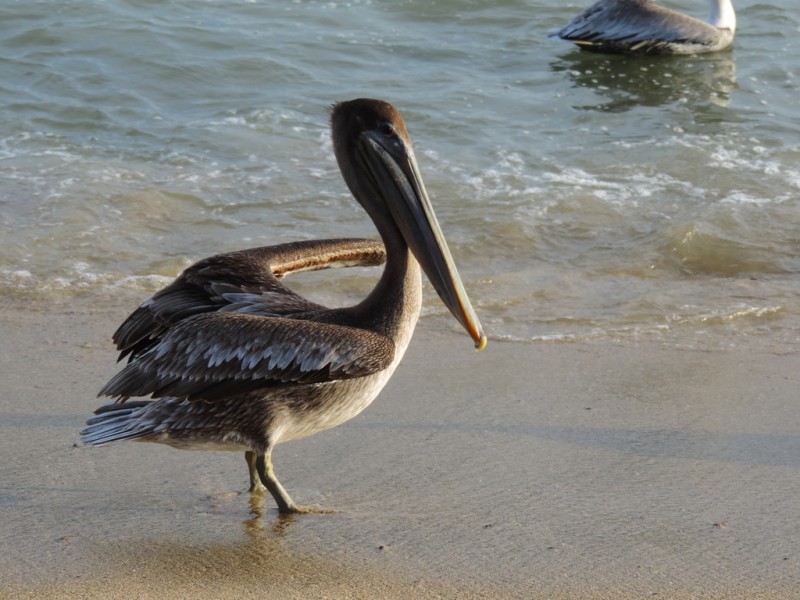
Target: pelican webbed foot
262, 477
299, 509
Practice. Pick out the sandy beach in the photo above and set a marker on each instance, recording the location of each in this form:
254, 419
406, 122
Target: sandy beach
551, 470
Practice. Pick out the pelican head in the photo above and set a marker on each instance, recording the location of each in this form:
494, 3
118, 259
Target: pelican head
376, 158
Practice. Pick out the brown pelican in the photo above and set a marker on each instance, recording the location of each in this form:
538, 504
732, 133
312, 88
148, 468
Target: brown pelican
234, 360
644, 27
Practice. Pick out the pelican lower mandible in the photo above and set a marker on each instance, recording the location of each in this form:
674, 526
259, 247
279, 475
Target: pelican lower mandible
227, 357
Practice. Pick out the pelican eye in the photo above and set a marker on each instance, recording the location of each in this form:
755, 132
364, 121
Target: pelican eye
386, 129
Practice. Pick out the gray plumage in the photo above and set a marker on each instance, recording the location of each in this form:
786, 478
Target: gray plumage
220, 343
644, 27
211, 354
245, 281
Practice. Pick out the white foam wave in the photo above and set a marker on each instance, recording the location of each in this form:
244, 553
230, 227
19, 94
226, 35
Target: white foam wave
77, 278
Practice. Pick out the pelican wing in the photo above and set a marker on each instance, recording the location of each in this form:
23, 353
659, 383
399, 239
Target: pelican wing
215, 355
633, 23
243, 281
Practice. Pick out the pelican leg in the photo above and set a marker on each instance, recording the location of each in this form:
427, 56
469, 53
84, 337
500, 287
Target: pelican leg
285, 503
255, 480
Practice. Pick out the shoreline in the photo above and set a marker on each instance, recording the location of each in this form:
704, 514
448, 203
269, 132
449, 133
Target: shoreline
549, 470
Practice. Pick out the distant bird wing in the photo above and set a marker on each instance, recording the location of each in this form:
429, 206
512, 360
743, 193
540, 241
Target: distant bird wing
630, 22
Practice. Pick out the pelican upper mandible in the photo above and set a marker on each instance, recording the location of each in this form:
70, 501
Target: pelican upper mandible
234, 360
644, 27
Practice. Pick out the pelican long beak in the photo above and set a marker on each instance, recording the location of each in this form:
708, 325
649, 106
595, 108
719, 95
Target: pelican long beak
390, 160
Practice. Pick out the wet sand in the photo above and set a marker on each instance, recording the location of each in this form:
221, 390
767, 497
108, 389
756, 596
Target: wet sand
551, 470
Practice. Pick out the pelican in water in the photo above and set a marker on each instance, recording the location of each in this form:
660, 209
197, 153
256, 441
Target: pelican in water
234, 360
644, 27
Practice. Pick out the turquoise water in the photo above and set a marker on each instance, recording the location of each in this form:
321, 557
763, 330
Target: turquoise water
584, 196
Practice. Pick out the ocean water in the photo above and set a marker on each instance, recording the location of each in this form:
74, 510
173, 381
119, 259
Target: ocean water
583, 196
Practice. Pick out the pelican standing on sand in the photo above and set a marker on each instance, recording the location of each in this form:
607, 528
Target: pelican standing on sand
234, 360
644, 27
